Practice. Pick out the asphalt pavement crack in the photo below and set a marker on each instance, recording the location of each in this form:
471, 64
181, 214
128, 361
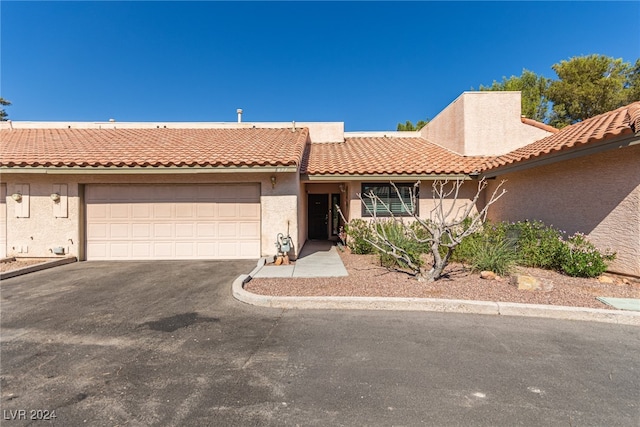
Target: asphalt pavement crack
261, 343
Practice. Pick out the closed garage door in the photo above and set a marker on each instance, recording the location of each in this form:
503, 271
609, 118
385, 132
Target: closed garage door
172, 222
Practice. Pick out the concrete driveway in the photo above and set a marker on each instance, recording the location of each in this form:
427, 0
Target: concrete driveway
163, 343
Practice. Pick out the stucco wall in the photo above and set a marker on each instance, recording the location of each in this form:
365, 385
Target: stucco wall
482, 124
598, 195
37, 234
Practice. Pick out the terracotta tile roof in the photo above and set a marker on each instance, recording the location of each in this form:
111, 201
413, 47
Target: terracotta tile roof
152, 147
386, 155
538, 125
622, 121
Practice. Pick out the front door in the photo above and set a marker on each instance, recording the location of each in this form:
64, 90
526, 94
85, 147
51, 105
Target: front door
318, 215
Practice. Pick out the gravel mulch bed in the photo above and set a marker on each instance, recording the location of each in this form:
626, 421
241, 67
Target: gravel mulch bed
20, 263
368, 278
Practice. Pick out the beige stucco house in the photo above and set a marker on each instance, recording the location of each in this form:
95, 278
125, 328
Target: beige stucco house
152, 191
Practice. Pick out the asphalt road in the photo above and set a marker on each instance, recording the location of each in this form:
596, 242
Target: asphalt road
144, 344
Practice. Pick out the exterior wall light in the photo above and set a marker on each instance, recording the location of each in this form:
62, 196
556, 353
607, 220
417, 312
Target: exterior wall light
342, 188
273, 181
55, 197
16, 196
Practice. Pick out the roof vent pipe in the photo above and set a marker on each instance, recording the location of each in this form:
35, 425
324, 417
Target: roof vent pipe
239, 111
293, 124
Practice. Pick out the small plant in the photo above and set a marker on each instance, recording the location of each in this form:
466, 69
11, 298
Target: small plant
359, 234
392, 235
499, 257
581, 258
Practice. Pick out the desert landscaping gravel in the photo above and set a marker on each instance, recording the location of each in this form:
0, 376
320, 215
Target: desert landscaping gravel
368, 278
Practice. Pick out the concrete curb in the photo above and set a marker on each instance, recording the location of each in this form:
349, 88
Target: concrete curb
37, 267
432, 304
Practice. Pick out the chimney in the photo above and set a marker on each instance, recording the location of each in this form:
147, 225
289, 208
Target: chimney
239, 111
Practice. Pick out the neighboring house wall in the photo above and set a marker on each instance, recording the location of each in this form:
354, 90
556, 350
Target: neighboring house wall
482, 124
598, 195
36, 234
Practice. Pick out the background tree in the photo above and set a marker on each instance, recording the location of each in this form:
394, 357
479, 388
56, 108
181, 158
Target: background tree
590, 85
586, 86
634, 83
3, 114
408, 126
534, 92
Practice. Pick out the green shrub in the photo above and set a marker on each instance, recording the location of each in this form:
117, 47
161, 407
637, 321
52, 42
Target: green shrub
497, 256
490, 234
397, 236
358, 232
580, 258
537, 244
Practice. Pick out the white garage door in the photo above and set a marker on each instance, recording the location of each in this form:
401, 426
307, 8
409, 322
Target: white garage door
3, 220
141, 222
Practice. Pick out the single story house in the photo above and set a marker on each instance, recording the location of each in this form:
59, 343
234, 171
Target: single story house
155, 191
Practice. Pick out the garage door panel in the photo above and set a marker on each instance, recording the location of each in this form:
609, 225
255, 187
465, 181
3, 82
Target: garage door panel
119, 211
206, 210
172, 222
118, 250
207, 250
141, 210
227, 210
248, 229
207, 229
97, 211
97, 231
185, 210
162, 210
162, 230
185, 230
163, 250
249, 210
141, 250
248, 248
228, 230
229, 249
119, 231
184, 249
141, 231
97, 250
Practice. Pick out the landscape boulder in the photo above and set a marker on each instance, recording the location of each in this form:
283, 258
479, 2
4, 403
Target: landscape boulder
529, 283
488, 275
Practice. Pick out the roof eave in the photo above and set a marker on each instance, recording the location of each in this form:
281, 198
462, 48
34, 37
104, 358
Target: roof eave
133, 170
566, 154
379, 176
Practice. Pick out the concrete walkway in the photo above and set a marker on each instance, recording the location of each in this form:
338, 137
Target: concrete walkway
318, 259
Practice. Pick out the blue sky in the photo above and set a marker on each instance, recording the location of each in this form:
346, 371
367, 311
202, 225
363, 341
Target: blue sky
369, 64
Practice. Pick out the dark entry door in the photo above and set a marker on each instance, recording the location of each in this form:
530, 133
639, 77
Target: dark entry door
318, 215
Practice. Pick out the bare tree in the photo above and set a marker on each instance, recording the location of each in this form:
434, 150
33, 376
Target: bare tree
441, 232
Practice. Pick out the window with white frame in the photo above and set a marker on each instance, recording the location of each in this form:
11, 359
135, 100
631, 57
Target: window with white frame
391, 200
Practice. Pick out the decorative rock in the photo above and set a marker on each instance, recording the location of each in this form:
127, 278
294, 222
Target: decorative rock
488, 275
525, 283
606, 279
